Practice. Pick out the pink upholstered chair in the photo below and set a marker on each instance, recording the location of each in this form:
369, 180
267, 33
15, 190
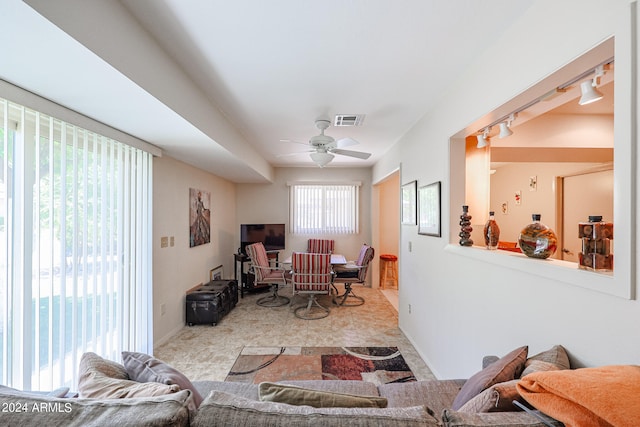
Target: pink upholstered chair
320, 246
352, 272
311, 275
269, 272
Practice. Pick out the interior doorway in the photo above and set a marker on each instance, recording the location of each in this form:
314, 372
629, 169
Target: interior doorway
387, 229
581, 195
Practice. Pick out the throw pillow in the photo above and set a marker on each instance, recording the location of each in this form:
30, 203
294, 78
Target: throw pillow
538, 366
104, 379
292, 395
556, 355
504, 369
145, 369
497, 398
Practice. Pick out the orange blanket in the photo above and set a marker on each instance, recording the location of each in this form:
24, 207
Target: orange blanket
599, 397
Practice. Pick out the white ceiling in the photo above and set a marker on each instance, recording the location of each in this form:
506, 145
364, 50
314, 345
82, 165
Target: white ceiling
219, 83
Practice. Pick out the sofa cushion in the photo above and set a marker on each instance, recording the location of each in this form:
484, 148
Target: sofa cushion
168, 410
147, 369
103, 379
497, 398
246, 390
223, 409
435, 394
504, 369
452, 418
292, 395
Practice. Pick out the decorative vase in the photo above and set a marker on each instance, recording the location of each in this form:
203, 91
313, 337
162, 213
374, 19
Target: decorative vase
537, 240
465, 227
491, 232
596, 236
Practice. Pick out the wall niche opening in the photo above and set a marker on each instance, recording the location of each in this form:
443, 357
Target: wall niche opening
544, 152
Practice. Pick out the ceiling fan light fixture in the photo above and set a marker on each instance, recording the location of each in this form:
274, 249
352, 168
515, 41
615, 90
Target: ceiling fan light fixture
321, 158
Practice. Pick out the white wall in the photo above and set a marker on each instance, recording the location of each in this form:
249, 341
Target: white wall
463, 308
269, 203
515, 177
178, 268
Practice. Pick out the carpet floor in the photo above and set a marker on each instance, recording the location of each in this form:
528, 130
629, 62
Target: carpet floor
205, 352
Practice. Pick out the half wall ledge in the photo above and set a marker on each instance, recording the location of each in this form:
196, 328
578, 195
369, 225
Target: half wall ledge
552, 269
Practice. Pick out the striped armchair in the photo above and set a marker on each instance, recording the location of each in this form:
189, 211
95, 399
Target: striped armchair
311, 275
320, 246
267, 271
353, 273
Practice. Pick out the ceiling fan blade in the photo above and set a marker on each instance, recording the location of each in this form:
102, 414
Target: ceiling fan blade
294, 154
346, 142
350, 153
295, 142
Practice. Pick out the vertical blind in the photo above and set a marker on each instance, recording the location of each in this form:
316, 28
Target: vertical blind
75, 255
324, 209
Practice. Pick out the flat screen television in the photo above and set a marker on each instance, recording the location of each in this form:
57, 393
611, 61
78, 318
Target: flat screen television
271, 236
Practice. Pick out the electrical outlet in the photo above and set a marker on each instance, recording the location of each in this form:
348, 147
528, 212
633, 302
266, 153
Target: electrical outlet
164, 242
409, 308
410, 246
163, 309
171, 241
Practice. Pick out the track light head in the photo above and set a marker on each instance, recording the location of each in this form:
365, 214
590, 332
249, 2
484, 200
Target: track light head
483, 138
589, 93
589, 90
505, 131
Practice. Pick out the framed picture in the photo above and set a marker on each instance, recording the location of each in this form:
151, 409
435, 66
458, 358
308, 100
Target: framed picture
409, 203
429, 209
216, 273
199, 217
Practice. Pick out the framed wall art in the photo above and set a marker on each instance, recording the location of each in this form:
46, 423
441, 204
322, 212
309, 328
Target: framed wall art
216, 273
199, 217
409, 205
429, 210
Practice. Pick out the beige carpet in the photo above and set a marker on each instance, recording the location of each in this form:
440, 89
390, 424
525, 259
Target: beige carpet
205, 352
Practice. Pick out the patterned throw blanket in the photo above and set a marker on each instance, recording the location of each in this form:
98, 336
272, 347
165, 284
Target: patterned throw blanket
599, 397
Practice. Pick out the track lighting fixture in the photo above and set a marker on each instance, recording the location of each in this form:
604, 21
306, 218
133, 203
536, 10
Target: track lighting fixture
505, 127
483, 138
589, 89
589, 94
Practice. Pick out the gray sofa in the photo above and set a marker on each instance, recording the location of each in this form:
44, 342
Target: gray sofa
421, 403
114, 395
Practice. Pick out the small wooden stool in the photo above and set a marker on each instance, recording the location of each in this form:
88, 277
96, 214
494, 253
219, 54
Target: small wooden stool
388, 270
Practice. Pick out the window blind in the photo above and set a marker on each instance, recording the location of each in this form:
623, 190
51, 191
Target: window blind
324, 209
75, 236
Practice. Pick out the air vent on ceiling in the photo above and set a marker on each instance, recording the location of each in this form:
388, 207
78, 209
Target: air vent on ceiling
348, 119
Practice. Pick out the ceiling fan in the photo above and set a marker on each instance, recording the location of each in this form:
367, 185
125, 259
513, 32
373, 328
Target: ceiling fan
324, 147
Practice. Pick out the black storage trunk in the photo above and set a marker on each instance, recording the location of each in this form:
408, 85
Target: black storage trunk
209, 303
